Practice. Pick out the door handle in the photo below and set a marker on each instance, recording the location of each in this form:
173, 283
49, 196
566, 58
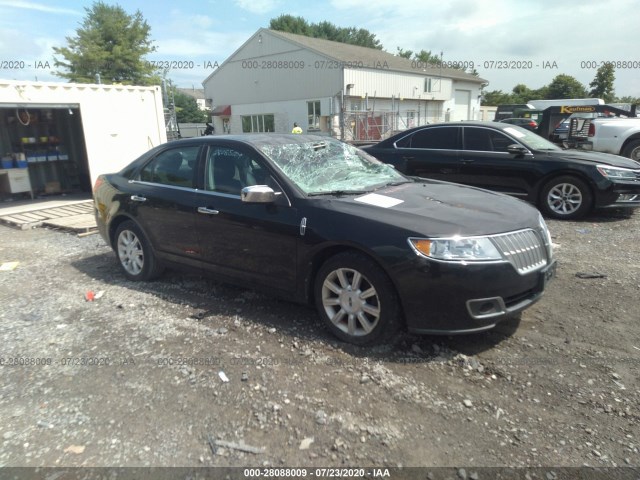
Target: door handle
408, 158
468, 160
207, 211
137, 198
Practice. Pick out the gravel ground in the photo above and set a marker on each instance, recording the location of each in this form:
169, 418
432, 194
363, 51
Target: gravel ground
185, 371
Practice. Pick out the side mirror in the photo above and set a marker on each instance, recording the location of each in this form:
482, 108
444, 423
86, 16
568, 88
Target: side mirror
258, 194
516, 149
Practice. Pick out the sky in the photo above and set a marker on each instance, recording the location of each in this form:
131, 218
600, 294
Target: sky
508, 41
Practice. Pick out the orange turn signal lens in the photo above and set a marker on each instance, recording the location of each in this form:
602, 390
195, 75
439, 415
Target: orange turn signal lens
423, 246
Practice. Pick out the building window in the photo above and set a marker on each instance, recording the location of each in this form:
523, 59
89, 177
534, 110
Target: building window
258, 123
431, 85
313, 110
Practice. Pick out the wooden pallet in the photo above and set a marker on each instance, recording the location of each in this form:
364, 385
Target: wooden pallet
77, 217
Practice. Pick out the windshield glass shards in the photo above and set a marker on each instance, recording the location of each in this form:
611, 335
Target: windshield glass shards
330, 166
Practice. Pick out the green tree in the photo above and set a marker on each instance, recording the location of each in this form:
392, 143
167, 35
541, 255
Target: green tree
404, 53
187, 110
628, 99
425, 56
325, 30
565, 86
110, 43
291, 24
602, 84
496, 97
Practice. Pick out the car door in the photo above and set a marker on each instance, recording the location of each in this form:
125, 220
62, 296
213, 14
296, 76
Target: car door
431, 152
252, 242
163, 201
485, 162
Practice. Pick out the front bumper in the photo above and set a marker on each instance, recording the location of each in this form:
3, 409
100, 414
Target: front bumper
440, 298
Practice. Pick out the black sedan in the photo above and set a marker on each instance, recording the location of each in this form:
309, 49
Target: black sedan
564, 184
315, 220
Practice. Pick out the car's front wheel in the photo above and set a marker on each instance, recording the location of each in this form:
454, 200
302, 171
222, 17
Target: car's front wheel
565, 198
356, 299
135, 254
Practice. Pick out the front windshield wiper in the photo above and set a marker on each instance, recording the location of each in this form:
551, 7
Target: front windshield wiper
338, 192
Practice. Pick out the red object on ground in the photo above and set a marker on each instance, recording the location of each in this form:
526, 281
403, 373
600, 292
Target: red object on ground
89, 296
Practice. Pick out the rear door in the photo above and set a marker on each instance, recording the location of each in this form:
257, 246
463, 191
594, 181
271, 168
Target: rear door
163, 201
256, 243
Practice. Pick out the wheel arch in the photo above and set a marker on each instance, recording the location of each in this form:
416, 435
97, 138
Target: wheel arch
631, 138
115, 223
564, 173
321, 256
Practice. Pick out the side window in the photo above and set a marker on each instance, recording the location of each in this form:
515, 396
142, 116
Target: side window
442, 138
228, 170
485, 140
174, 167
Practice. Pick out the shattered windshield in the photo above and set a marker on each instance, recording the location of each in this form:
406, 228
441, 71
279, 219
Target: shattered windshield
329, 166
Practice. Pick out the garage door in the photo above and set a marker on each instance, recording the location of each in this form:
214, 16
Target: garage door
463, 102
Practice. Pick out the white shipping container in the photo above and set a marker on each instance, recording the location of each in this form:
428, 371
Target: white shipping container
119, 122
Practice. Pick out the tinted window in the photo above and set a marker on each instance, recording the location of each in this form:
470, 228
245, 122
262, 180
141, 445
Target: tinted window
229, 170
444, 138
485, 140
172, 167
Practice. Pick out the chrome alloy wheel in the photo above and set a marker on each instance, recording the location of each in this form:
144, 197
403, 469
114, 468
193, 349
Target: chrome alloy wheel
564, 199
351, 302
130, 252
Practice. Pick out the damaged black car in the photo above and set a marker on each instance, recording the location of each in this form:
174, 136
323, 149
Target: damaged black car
317, 221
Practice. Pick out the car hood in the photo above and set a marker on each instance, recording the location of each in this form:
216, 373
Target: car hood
594, 158
435, 208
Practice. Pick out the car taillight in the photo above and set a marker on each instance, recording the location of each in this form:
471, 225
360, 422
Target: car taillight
592, 130
533, 124
99, 181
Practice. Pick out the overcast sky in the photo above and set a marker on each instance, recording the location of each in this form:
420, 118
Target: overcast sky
498, 36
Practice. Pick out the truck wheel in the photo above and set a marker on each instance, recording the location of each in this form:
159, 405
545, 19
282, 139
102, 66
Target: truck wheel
356, 299
565, 198
632, 150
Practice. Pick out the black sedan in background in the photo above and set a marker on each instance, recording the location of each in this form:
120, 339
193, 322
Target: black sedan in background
316, 220
564, 184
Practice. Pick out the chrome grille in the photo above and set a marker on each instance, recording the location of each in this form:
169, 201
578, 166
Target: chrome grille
524, 249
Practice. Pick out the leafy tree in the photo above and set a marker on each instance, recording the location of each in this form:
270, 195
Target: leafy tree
325, 30
565, 86
496, 97
111, 43
628, 99
425, 56
187, 110
602, 84
291, 24
404, 53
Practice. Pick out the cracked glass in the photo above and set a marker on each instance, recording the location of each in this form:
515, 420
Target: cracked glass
331, 167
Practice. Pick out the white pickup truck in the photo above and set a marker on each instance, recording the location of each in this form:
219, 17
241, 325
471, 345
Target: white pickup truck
620, 136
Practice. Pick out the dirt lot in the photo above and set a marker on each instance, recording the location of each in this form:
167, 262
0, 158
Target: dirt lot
133, 377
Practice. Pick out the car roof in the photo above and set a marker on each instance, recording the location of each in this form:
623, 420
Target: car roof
256, 139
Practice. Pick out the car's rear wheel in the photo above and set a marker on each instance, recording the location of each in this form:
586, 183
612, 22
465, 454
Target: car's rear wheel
356, 299
566, 198
632, 150
135, 254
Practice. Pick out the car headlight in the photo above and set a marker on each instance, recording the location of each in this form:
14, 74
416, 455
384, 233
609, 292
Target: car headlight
617, 173
460, 249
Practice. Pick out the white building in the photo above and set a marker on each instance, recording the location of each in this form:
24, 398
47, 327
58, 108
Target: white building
275, 79
197, 94
58, 137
